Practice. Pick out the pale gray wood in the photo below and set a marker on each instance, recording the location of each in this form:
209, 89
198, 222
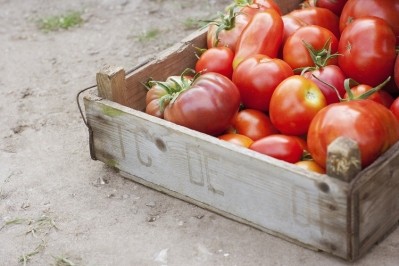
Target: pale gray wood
278, 197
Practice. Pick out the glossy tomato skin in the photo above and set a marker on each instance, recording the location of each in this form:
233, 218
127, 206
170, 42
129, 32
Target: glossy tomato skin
294, 103
262, 35
367, 51
363, 88
257, 77
297, 55
216, 59
291, 24
335, 6
227, 36
237, 139
207, 106
253, 124
279, 146
395, 108
331, 75
312, 166
319, 16
385, 9
368, 123
260, 6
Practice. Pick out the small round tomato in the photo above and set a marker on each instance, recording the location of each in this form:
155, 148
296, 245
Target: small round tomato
330, 80
311, 165
395, 107
257, 77
216, 59
361, 89
367, 51
237, 139
319, 16
320, 40
279, 146
370, 124
294, 103
253, 124
207, 105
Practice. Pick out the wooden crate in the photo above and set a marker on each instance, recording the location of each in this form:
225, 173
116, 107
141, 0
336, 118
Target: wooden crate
315, 211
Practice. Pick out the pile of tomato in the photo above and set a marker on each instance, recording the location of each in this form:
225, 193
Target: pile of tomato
287, 85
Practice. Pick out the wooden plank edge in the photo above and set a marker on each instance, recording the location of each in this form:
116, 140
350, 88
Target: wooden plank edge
222, 213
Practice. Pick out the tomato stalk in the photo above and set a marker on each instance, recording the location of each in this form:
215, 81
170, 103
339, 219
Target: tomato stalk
319, 57
225, 22
349, 83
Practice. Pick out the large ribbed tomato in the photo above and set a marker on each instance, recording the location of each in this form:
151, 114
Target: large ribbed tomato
208, 104
368, 123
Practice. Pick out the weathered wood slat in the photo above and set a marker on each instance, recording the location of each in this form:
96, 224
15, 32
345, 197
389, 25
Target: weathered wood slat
277, 196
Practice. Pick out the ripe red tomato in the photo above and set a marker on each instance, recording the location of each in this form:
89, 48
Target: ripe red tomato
237, 139
387, 99
257, 77
207, 105
294, 103
331, 75
226, 30
319, 16
297, 55
370, 124
367, 51
361, 89
396, 71
395, 108
160, 94
311, 165
385, 9
216, 59
335, 6
253, 124
262, 35
291, 24
279, 146
251, 7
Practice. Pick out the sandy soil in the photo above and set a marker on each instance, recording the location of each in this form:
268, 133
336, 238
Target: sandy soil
57, 206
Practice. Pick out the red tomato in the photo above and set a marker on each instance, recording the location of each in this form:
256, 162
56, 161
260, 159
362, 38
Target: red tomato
396, 71
387, 98
216, 59
335, 6
263, 35
257, 77
331, 75
291, 24
226, 30
161, 93
370, 124
293, 105
395, 107
385, 9
253, 124
319, 16
361, 89
311, 166
208, 104
251, 7
367, 51
237, 139
297, 55
279, 146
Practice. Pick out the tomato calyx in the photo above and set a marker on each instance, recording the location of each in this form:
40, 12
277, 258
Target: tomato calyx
173, 87
320, 57
225, 21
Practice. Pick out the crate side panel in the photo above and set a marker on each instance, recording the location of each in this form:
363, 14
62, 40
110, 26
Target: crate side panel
310, 209
378, 199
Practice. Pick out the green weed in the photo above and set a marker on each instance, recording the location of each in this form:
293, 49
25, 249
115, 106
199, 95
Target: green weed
148, 35
65, 21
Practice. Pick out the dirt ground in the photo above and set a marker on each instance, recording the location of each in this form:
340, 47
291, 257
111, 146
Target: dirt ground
57, 206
